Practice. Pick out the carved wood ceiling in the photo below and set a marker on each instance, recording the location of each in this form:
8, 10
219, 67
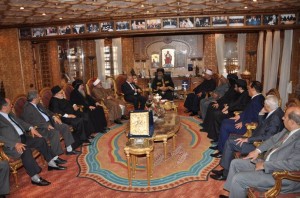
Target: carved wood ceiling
43, 12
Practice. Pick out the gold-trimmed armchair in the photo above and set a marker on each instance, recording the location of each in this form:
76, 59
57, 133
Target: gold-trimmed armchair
45, 95
275, 190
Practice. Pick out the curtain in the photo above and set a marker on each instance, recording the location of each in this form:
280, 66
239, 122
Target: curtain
260, 56
220, 43
117, 55
273, 71
100, 58
241, 50
268, 59
284, 84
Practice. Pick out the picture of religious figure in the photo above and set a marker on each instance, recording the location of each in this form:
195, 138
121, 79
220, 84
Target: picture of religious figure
168, 57
154, 24
138, 24
64, 30
219, 21
287, 19
92, 27
270, 19
122, 25
107, 26
169, 23
202, 21
253, 20
236, 20
186, 22
155, 60
78, 29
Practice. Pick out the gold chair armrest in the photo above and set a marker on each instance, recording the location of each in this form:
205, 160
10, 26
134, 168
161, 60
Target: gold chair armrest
257, 143
250, 127
279, 176
3, 156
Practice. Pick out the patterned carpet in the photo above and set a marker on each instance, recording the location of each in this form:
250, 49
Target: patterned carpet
105, 161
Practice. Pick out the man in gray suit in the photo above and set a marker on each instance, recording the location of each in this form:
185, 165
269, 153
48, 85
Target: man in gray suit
48, 124
18, 143
4, 178
270, 123
282, 153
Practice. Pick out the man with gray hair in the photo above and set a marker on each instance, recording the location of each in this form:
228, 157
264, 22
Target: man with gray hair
270, 123
48, 124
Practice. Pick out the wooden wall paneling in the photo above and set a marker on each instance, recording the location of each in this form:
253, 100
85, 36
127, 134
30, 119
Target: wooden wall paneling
54, 62
210, 56
127, 55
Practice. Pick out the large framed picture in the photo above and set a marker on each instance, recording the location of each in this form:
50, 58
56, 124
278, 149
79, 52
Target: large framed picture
253, 20
51, 31
62, 30
186, 22
202, 21
107, 26
92, 27
236, 20
25, 33
122, 26
141, 124
169, 23
287, 19
219, 21
78, 29
270, 19
154, 24
168, 57
138, 24
38, 32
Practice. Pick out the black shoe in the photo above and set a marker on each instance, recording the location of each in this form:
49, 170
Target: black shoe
50, 168
106, 129
214, 141
124, 117
214, 147
117, 121
91, 137
218, 177
74, 152
216, 155
60, 161
187, 111
223, 196
218, 172
193, 114
42, 182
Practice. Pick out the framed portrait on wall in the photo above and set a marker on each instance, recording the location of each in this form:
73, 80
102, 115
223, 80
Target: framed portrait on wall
202, 21
66, 29
271, 19
25, 32
51, 31
38, 32
219, 21
92, 27
138, 24
154, 24
122, 26
155, 60
253, 20
107, 26
169, 23
186, 22
288, 19
78, 28
168, 57
236, 20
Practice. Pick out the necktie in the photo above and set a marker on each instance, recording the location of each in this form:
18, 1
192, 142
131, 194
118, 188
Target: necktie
43, 113
19, 129
276, 146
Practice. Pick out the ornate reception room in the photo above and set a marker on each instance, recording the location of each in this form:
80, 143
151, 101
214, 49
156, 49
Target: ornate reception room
150, 98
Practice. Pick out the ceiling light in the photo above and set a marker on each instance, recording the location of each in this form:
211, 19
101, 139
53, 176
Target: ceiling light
22, 8
44, 14
142, 6
246, 7
147, 11
60, 18
254, 0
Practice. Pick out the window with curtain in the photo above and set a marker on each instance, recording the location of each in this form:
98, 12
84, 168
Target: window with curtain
109, 69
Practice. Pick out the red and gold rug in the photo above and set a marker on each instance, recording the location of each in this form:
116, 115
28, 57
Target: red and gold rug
105, 162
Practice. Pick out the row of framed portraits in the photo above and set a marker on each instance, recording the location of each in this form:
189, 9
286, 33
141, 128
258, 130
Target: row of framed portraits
163, 23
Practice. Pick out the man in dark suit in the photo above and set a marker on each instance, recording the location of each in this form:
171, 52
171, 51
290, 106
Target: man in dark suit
163, 85
192, 102
237, 124
270, 123
133, 95
4, 178
213, 127
18, 143
94, 110
59, 105
282, 153
48, 124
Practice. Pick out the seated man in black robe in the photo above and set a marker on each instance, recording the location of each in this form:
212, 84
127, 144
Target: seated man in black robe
193, 99
163, 85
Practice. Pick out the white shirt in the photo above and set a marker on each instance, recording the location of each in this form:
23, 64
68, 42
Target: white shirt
18, 129
255, 95
270, 113
44, 115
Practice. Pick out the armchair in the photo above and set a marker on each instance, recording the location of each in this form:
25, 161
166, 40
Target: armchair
45, 95
275, 190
